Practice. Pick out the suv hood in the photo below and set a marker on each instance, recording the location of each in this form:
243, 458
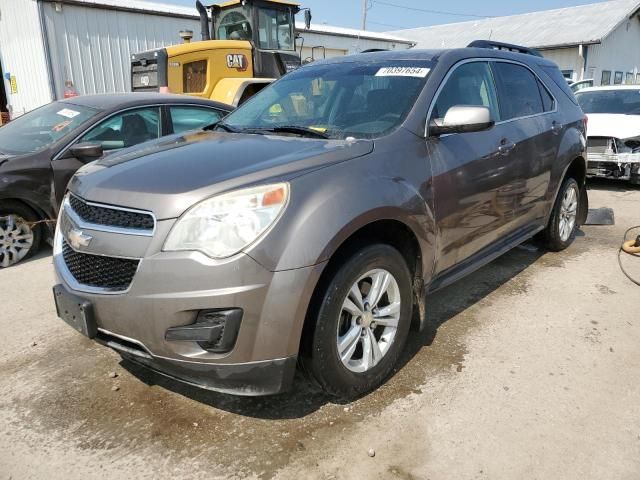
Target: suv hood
613, 125
169, 175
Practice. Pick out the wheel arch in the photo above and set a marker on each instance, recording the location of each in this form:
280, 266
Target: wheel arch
389, 231
577, 170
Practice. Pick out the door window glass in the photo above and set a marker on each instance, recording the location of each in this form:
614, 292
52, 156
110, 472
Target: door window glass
471, 84
126, 129
194, 76
518, 91
191, 118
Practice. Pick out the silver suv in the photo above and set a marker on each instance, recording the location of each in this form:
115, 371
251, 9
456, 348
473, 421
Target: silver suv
309, 225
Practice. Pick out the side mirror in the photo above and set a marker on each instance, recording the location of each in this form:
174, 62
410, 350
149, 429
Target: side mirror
85, 152
462, 119
307, 19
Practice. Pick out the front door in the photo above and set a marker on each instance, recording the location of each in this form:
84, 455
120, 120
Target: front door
474, 180
124, 129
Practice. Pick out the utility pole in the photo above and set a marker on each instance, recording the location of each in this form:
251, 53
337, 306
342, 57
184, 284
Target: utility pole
364, 14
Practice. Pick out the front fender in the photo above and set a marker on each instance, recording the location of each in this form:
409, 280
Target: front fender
330, 205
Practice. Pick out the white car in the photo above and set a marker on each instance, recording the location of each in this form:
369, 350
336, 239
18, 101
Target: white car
613, 145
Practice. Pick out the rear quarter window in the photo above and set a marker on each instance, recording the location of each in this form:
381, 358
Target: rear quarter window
560, 81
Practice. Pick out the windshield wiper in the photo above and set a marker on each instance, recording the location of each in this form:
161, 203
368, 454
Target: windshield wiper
303, 131
224, 126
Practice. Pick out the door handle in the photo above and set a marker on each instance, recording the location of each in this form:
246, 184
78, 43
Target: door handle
505, 147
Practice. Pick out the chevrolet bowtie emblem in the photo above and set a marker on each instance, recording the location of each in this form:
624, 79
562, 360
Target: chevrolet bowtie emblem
77, 239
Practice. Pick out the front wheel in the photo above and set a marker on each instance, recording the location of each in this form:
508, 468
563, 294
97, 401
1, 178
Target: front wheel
18, 238
561, 229
362, 322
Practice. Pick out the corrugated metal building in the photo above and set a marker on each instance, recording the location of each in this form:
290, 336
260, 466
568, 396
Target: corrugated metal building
44, 43
599, 41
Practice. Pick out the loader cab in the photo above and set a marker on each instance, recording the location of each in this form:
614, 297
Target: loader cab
270, 27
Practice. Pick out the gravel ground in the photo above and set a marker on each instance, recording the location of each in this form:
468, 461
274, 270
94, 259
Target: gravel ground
529, 369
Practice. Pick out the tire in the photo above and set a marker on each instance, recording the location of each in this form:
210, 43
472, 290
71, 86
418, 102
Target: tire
558, 235
18, 241
333, 324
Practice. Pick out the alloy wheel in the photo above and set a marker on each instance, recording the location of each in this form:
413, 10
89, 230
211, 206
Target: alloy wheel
16, 239
368, 320
568, 213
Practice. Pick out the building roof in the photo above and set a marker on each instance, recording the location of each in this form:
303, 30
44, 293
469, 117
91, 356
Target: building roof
585, 24
148, 7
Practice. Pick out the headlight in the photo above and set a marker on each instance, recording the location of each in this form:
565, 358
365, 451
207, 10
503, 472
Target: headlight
223, 225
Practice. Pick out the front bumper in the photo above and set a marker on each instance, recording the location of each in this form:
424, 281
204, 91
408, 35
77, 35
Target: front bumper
621, 166
268, 377
170, 289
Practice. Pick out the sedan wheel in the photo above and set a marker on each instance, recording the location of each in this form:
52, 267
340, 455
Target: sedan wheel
16, 240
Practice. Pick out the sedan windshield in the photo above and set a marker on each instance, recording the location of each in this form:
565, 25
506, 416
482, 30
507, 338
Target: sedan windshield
362, 100
40, 128
623, 101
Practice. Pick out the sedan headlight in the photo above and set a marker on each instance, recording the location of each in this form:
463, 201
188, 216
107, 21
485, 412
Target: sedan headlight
222, 226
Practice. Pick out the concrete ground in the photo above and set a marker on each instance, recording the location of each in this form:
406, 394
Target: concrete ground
530, 369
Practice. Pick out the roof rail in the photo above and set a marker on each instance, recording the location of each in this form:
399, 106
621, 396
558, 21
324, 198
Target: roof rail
504, 46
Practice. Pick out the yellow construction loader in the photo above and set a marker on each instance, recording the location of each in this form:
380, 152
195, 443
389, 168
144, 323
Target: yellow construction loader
246, 44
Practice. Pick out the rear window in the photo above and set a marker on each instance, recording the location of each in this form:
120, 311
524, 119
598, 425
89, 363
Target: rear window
560, 81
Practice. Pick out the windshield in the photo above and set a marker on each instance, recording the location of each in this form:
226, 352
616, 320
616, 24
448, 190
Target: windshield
40, 128
339, 100
610, 101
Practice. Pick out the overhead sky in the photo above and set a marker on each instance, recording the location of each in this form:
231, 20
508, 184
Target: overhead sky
383, 15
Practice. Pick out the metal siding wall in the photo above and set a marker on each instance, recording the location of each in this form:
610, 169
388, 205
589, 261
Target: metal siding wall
346, 44
22, 54
567, 59
92, 46
618, 52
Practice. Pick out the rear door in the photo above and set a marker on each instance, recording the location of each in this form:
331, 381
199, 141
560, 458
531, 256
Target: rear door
528, 113
474, 174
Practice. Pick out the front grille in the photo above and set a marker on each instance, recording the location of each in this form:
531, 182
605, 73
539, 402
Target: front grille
109, 273
110, 216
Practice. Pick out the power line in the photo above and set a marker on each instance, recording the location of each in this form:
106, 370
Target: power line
437, 12
387, 25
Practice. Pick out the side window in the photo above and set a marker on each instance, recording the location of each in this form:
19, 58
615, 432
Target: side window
191, 118
548, 103
126, 129
606, 77
194, 76
518, 91
470, 84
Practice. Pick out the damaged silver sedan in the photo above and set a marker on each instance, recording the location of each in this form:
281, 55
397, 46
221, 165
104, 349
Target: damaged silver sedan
613, 143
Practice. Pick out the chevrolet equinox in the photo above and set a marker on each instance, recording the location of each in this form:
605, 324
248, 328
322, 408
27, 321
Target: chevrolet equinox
307, 227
